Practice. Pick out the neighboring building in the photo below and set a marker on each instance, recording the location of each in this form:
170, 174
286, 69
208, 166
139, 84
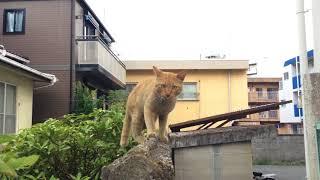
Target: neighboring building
211, 86
17, 82
65, 38
291, 115
262, 91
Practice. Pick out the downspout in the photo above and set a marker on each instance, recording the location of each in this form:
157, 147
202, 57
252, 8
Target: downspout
52, 82
72, 39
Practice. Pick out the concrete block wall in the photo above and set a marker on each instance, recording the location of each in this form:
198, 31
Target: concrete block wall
214, 162
279, 148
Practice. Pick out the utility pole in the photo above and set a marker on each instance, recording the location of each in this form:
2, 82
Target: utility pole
310, 96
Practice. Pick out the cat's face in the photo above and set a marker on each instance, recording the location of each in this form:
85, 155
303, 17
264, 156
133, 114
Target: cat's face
168, 85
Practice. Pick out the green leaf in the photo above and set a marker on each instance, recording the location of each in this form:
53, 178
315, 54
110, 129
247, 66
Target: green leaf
6, 138
6, 169
23, 162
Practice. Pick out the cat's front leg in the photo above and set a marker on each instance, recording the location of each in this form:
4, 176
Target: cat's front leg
150, 119
163, 128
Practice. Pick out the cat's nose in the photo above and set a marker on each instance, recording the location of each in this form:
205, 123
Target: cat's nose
168, 95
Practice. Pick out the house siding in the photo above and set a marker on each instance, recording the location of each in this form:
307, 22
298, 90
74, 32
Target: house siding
24, 93
46, 43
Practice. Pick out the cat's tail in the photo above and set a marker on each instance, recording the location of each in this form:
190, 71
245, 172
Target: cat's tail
125, 131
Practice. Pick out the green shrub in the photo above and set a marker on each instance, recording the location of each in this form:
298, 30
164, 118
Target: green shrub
118, 96
86, 100
75, 147
9, 164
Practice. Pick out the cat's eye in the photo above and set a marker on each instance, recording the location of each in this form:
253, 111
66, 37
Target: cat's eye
163, 85
174, 87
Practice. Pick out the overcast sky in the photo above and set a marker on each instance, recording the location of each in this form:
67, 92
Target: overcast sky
258, 30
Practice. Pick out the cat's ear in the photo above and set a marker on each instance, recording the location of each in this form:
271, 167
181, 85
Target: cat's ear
181, 75
157, 71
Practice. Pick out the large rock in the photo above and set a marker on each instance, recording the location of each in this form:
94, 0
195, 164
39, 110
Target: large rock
148, 161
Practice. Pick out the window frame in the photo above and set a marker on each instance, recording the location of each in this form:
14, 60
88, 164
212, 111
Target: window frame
271, 113
259, 93
5, 11
272, 93
190, 99
285, 76
2, 132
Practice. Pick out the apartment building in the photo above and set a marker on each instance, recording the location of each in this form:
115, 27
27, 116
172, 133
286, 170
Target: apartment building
65, 38
211, 87
262, 91
291, 115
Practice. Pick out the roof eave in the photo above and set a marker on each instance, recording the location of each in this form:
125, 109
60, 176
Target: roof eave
30, 72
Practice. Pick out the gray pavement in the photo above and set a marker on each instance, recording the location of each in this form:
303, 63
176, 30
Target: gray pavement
283, 172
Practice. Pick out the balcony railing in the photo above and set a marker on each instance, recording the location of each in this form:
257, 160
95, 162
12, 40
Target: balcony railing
272, 115
263, 96
93, 50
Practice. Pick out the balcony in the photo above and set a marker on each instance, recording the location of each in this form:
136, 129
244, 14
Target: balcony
97, 63
263, 97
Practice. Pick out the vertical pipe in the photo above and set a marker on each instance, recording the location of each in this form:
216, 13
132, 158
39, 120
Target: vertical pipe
229, 91
4, 108
199, 91
303, 70
302, 37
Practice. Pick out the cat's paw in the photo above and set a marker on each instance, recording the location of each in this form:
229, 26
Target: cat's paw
164, 139
151, 135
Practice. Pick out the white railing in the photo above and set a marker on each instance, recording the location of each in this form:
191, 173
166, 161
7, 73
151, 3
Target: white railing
95, 51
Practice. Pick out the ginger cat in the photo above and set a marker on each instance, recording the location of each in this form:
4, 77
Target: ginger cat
151, 100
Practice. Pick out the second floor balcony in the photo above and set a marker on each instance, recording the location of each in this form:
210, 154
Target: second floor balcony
95, 56
263, 97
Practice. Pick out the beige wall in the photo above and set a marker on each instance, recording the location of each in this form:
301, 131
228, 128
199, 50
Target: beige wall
214, 94
24, 93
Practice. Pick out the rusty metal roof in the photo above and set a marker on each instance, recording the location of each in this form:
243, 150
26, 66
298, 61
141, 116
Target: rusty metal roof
226, 117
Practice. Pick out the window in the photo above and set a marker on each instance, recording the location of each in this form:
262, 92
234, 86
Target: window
130, 86
272, 93
259, 91
189, 92
14, 21
7, 108
285, 76
310, 62
281, 85
273, 114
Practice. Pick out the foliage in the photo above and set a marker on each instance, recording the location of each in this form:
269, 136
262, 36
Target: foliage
75, 147
9, 164
86, 100
119, 96
6, 138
